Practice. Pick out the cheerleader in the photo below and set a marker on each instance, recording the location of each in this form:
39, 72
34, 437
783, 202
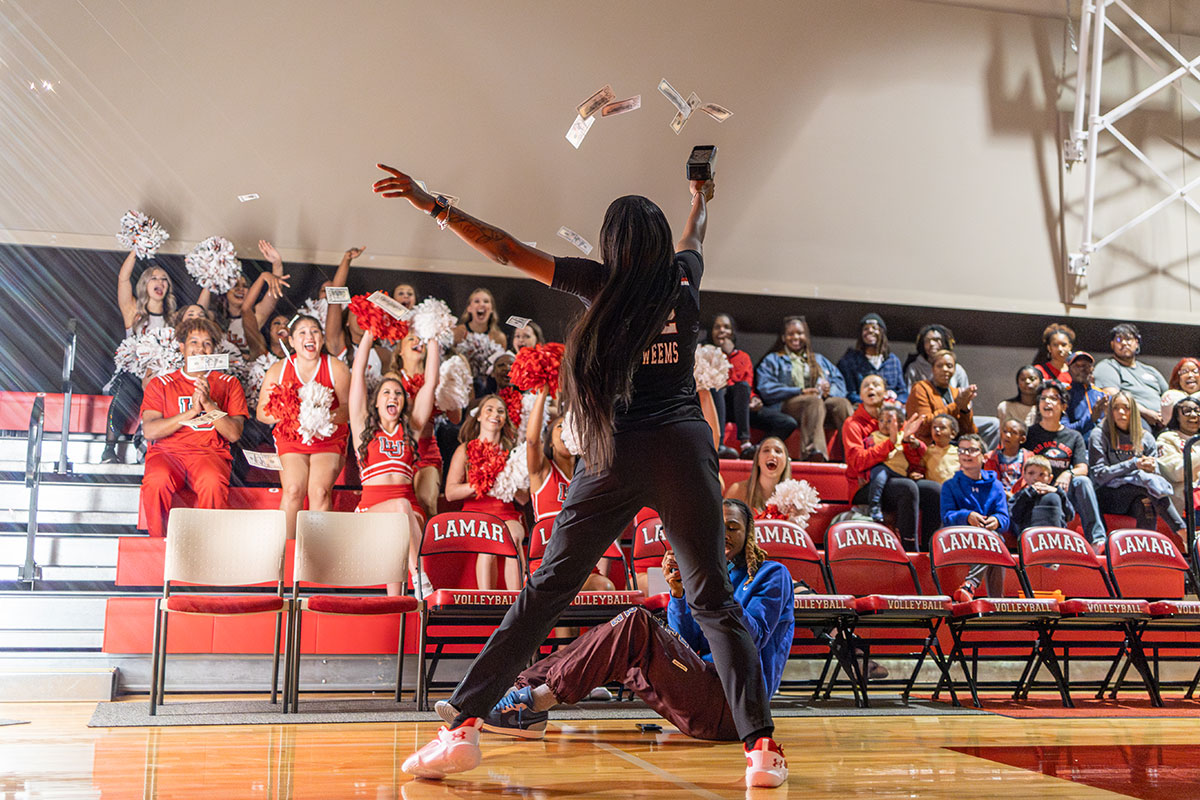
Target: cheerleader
529, 336
489, 423
343, 336
480, 317
405, 294
307, 469
240, 313
147, 306
771, 465
382, 424
409, 364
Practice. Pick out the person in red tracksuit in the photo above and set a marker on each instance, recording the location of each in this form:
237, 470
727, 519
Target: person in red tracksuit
179, 454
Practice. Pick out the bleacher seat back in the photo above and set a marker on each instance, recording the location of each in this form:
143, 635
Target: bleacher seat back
649, 541
863, 541
225, 547
1144, 550
1053, 557
467, 532
790, 545
343, 548
539, 537
966, 544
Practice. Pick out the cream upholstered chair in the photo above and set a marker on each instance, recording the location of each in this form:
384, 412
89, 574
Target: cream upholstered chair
344, 550
219, 547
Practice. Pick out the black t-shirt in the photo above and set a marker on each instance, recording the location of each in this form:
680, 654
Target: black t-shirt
1064, 447
664, 390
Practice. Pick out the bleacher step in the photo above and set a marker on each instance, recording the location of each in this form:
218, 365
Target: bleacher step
75, 497
82, 448
60, 685
51, 622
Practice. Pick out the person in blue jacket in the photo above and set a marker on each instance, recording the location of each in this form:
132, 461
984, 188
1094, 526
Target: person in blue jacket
871, 355
670, 668
975, 497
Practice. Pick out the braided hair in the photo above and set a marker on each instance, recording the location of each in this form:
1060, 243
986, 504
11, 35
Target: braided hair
751, 553
373, 426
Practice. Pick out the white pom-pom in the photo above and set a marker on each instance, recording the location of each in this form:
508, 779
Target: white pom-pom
513, 478
141, 233
712, 367
797, 499
569, 436
214, 264
314, 420
527, 400
149, 354
318, 308
255, 374
432, 319
238, 366
454, 384
478, 349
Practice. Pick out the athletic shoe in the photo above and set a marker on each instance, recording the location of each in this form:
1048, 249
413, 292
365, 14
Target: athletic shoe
452, 751
724, 451
109, 456
877, 514
765, 765
747, 451
446, 711
965, 593
514, 716
421, 588
600, 694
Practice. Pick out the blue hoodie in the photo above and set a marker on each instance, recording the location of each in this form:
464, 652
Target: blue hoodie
961, 496
767, 609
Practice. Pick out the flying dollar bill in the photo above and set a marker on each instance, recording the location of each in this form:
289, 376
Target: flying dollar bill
622, 106
262, 460
579, 129
589, 107
719, 113
388, 304
518, 322
337, 294
204, 420
668, 91
207, 363
575, 239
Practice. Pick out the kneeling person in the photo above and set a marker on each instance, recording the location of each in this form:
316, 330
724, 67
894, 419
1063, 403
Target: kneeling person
179, 453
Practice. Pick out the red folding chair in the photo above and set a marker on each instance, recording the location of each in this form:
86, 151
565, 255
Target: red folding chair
1155, 555
649, 546
1064, 551
827, 619
870, 542
539, 538
964, 545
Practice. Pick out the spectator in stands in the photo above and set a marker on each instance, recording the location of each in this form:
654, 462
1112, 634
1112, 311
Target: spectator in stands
480, 316
940, 461
932, 339
1183, 425
771, 465
737, 401
1124, 371
1038, 500
872, 356
190, 311
277, 336
930, 398
1064, 448
974, 496
239, 311
906, 457
182, 450
1021, 406
915, 503
495, 376
529, 336
1008, 460
1122, 461
147, 306
1085, 403
796, 380
405, 294
1184, 382
1058, 341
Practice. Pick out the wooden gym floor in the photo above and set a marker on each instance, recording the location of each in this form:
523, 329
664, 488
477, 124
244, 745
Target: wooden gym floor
58, 756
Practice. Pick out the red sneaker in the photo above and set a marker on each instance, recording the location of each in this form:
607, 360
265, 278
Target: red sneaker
965, 593
454, 750
766, 766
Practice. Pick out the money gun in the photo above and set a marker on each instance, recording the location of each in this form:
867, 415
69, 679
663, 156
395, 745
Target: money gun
701, 162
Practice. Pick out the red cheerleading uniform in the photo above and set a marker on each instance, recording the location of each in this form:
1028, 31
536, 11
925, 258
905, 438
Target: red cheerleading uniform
548, 499
388, 454
336, 442
428, 453
491, 505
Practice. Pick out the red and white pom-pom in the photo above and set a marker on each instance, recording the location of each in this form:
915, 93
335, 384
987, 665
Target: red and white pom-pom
380, 323
256, 373
141, 233
283, 405
432, 320
570, 436
512, 403
149, 354
478, 349
485, 462
712, 367
513, 478
537, 366
318, 309
314, 420
454, 384
796, 499
527, 401
214, 264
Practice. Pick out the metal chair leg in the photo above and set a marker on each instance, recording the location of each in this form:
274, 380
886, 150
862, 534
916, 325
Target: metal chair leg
275, 659
154, 650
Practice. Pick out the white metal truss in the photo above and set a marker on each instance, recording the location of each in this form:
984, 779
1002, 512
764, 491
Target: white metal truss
1089, 123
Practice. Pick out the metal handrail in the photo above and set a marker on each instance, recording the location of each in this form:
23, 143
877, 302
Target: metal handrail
30, 571
67, 390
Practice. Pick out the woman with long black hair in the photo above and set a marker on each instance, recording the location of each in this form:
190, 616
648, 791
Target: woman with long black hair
627, 381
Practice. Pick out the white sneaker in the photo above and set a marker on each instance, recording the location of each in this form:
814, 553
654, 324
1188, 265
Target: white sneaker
421, 588
446, 711
452, 751
765, 765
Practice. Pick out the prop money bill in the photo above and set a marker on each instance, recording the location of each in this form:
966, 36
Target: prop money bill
205, 419
579, 129
387, 304
337, 294
622, 106
682, 117
518, 322
262, 460
206, 363
246, 198
668, 91
577, 240
589, 107
719, 113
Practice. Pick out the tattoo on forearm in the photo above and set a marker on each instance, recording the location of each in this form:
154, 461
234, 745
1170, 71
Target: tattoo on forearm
479, 233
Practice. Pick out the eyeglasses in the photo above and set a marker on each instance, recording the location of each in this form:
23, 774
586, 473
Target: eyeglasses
1189, 411
1126, 339
969, 451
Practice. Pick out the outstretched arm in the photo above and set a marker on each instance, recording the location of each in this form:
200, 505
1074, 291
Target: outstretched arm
275, 281
535, 458
125, 297
423, 402
488, 240
358, 385
697, 221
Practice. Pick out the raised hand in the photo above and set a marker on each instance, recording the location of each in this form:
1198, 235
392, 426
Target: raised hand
353, 253
707, 188
276, 284
399, 184
269, 252
911, 426
671, 574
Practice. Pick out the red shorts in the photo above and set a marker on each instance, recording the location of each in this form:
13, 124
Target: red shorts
428, 453
497, 508
336, 443
374, 494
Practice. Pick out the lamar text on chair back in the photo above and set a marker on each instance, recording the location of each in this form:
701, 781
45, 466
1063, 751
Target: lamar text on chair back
1084, 618
347, 550
848, 542
539, 537
219, 547
964, 545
